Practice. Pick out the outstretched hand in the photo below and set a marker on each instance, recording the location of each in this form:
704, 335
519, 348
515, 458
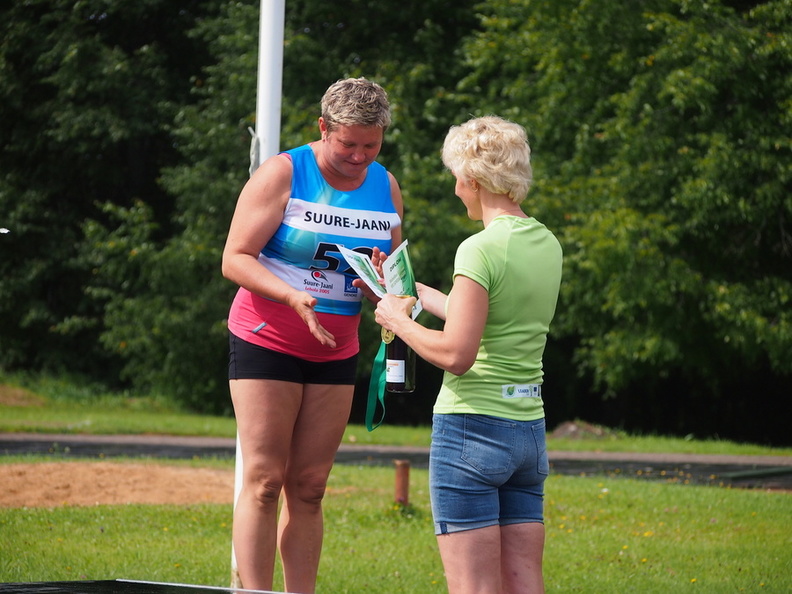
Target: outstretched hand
303, 304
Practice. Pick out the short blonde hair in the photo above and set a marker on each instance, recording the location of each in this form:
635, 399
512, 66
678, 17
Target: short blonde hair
494, 152
356, 102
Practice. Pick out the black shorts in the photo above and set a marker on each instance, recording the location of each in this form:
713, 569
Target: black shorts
250, 361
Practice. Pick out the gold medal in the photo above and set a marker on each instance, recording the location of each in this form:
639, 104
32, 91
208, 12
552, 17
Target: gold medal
387, 336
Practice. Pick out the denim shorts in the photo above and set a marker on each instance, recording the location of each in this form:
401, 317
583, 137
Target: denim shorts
486, 471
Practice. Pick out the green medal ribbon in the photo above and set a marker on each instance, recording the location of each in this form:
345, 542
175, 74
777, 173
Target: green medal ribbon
376, 391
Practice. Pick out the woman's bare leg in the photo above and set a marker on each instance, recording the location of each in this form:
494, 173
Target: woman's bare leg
317, 433
266, 411
470, 560
522, 549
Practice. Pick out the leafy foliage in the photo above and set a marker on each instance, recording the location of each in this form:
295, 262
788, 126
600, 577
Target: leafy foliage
662, 136
87, 89
661, 139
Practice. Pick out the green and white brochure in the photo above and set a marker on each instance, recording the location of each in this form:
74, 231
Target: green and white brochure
397, 273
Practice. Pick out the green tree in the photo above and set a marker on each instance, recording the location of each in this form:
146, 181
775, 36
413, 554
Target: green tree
88, 90
661, 133
661, 140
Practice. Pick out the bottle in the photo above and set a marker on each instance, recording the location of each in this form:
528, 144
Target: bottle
399, 364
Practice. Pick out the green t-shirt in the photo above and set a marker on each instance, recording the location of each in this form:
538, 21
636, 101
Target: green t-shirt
518, 262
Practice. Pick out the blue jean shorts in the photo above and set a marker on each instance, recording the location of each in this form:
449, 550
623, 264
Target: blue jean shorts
486, 471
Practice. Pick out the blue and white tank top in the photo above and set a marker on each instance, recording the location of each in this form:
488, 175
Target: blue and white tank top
318, 218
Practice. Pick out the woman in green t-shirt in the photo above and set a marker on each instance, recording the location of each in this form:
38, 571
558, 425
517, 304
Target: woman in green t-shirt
488, 459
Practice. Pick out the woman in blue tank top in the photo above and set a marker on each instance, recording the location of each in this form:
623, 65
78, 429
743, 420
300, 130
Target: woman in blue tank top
294, 321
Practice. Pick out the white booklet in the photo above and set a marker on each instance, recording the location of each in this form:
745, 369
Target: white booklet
397, 271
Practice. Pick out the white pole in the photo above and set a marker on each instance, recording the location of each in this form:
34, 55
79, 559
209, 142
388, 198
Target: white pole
270, 80
265, 143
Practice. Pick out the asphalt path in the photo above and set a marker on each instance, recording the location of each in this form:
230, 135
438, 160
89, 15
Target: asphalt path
756, 472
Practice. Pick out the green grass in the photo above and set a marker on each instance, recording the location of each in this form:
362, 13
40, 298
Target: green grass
52, 405
155, 543
603, 535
